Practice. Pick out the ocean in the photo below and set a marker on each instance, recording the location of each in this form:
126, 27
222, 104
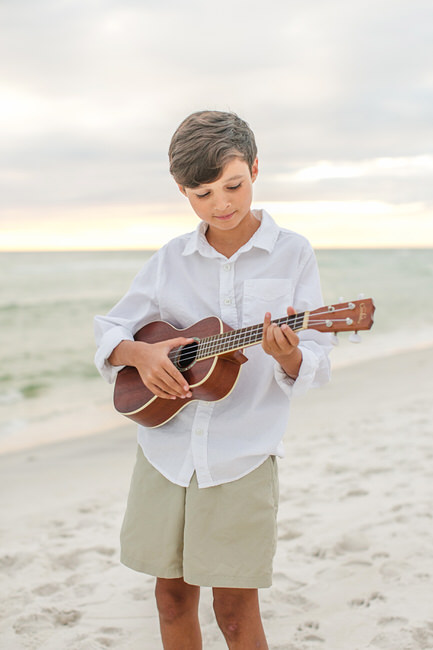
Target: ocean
49, 387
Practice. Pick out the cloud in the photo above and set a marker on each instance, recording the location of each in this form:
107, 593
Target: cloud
398, 167
92, 90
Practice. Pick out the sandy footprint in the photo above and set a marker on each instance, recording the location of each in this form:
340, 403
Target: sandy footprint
284, 582
10, 563
352, 544
415, 638
47, 589
109, 636
367, 601
38, 626
73, 559
356, 492
289, 533
392, 621
309, 632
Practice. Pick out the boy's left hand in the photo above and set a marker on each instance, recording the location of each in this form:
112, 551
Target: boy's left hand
282, 344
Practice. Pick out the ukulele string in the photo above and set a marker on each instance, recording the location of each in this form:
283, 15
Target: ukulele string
211, 345
291, 320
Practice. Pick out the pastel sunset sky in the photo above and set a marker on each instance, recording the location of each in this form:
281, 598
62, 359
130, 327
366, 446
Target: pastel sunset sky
339, 94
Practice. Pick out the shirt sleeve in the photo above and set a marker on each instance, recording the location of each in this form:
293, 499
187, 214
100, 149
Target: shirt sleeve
138, 307
315, 346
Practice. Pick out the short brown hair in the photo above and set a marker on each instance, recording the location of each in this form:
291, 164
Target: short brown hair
203, 144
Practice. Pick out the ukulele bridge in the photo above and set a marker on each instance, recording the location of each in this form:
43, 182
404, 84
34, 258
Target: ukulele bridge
185, 356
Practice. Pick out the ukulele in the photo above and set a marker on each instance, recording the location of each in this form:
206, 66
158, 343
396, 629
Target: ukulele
211, 363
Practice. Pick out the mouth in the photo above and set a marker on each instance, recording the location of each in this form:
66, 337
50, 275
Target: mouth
225, 217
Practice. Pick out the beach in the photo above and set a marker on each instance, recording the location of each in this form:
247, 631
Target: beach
354, 565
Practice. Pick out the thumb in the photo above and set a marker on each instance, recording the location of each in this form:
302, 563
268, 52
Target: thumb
180, 340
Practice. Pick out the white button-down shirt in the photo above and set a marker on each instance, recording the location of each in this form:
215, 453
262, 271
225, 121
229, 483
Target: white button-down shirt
188, 280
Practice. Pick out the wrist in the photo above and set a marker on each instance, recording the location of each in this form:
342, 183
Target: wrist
290, 363
127, 353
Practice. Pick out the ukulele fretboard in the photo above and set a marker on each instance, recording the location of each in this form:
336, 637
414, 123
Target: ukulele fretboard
242, 338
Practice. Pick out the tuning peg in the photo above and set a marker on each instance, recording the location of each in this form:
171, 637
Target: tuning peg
361, 296
334, 339
355, 338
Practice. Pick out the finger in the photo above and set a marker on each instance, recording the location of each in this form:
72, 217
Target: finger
164, 386
174, 381
159, 392
271, 344
290, 311
291, 338
158, 387
266, 323
180, 340
174, 373
290, 335
280, 342
168, 364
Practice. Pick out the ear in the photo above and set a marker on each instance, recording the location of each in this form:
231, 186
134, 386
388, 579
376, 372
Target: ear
181, 188
255, 170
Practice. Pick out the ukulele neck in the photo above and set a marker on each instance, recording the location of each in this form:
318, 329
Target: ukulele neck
233, 340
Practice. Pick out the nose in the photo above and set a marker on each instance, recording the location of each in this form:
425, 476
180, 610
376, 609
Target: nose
222, 203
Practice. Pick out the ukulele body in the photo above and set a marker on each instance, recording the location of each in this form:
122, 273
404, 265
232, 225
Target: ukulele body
209, 379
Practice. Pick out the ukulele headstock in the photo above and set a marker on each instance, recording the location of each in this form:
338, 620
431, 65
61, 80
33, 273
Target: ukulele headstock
344, 317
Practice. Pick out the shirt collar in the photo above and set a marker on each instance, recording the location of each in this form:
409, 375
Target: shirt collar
265, 237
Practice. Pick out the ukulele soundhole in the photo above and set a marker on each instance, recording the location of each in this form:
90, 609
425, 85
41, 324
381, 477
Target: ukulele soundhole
186, 356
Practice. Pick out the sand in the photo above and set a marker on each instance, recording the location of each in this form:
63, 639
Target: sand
354, 566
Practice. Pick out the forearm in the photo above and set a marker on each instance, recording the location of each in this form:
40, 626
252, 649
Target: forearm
126, 353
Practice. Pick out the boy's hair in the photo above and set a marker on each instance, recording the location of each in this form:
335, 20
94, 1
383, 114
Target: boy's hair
203, 144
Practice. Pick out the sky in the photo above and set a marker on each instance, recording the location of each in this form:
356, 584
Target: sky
339, 95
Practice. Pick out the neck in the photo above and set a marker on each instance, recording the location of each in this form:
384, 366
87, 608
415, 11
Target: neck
227, 242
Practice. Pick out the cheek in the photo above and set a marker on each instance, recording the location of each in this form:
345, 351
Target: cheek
247, 191
198, 209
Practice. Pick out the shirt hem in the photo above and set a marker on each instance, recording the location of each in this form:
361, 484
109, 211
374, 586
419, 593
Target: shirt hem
238, 477
160, 470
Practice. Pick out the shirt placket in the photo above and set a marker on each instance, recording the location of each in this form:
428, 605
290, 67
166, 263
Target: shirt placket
227, 294
199, 441
200, 428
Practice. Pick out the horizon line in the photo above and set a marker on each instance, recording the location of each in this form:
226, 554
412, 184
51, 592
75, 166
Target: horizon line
150, 250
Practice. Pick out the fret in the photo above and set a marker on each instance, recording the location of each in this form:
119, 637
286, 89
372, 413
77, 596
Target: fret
244, 337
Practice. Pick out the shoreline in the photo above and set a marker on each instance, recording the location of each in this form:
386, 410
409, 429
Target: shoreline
97, 415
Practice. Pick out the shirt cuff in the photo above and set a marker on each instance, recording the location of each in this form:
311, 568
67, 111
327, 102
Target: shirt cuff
109, 341
305, 378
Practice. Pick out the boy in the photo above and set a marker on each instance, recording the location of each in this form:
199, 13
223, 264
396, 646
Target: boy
204, 493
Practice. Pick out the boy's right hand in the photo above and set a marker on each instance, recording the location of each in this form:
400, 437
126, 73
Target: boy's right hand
156, 370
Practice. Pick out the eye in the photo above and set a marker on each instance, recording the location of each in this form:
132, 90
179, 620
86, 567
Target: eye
202, 196
235, 187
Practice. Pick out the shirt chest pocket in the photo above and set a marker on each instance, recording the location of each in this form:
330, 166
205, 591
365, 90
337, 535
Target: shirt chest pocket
262, 295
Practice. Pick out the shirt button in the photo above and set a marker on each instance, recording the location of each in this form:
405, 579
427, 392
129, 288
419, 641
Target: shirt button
199, 432
228, 301
226, 267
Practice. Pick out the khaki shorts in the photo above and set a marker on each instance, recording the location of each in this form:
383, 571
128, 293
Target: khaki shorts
222, 536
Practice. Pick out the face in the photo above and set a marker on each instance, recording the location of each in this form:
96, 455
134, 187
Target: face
225, 203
